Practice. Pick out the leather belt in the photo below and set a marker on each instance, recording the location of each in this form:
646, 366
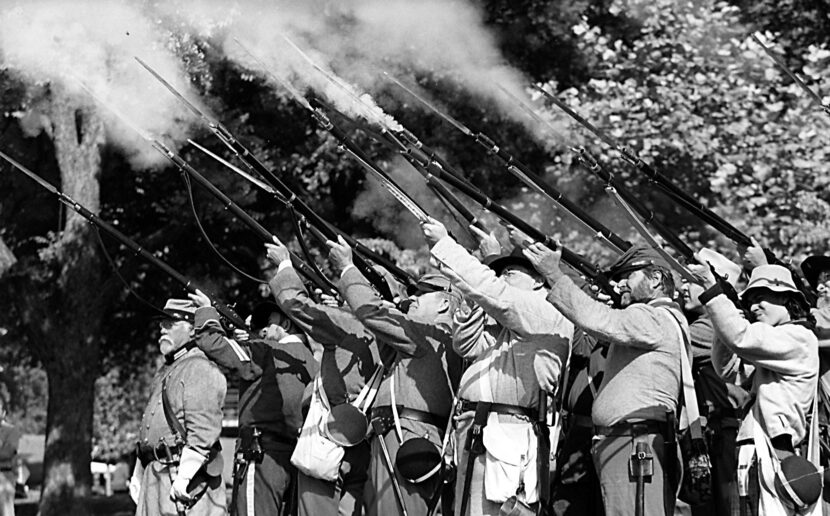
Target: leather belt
632, 428
272, 441
429, 418
502, 408
148, 454
579, 420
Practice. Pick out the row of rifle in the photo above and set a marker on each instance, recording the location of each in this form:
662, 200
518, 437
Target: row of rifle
440, 178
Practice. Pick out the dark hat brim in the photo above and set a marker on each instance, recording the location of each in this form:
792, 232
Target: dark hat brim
502, 262
175, 315
813, 266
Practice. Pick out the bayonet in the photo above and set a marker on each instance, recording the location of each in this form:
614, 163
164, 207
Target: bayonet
781, 64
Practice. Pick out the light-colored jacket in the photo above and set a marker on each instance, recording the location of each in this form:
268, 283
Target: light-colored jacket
642, 376
786, 366
530, 335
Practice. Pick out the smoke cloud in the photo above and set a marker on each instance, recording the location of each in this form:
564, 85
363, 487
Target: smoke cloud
92, 43
95, 40
358, 41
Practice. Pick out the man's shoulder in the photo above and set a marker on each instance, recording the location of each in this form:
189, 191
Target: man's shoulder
196, 363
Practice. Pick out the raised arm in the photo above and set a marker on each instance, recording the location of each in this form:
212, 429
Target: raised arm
470, 335
638, 325
780, 348
322, 323
210, 338
513, 308
389, 325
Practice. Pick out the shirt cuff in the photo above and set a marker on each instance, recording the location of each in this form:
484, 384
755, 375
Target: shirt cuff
709, 294
343, 272
284, 265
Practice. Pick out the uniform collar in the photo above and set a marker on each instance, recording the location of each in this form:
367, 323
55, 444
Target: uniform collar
182, 351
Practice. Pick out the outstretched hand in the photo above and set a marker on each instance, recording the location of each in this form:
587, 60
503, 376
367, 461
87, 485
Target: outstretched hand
340, 254
702, 273
752, 256
544, 259
277, 252
433, 231
199, 299
488, 245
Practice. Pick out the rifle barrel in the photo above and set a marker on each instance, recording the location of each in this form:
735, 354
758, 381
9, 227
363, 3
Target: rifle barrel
278, 188
667, 186
648, 216
128, 242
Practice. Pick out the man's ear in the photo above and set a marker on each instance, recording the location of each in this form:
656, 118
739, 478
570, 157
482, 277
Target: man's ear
444, 307
656, 280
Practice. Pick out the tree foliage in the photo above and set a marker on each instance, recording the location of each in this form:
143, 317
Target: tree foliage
680, 83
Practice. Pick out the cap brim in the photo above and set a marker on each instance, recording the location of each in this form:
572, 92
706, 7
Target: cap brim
175, 315
614, 275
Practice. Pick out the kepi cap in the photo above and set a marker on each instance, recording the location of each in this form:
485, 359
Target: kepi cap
637, 257
180, 309
397, 288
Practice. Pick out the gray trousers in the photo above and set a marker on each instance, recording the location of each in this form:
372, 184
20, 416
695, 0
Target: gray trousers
380, 499
264, 487
611, 458
343, 498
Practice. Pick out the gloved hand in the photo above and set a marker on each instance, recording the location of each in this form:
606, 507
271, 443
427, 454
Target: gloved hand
189, 464
135, 481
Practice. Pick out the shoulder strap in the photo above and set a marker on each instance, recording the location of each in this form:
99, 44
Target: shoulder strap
369, 392
172, 421
691, 413
813, 444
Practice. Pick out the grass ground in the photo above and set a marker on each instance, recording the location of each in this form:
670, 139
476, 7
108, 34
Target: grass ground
118, 504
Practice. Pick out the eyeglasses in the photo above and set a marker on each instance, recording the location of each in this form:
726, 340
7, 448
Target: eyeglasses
168, 324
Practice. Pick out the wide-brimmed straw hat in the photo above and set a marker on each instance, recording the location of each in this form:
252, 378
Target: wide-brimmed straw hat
776, 278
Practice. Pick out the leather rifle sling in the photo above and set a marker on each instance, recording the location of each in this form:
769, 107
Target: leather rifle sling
390, 467
543, 452
387, 458
474, 436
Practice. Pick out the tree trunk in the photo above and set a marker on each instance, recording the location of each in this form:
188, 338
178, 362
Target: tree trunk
72, 328
7, 258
